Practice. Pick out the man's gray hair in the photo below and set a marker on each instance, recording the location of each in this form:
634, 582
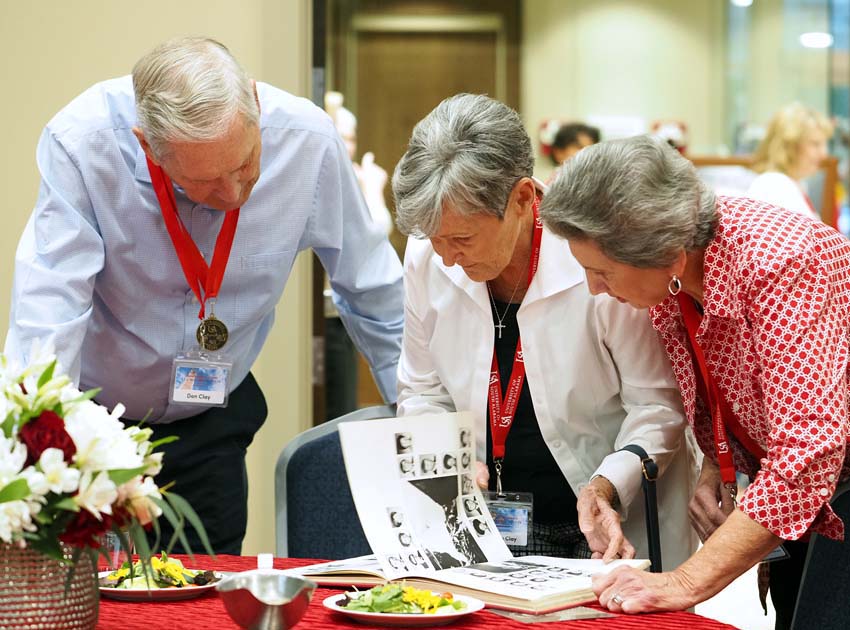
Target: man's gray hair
469, 152
637, 199
190, 89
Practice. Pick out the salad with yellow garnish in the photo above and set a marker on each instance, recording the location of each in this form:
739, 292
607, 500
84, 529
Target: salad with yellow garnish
401, 599
164, 572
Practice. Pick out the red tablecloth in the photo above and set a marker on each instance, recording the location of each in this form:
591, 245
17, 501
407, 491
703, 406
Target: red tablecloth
208, 611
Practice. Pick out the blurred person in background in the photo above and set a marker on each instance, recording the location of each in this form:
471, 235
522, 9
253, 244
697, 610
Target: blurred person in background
752, 303
792, 150
589, 377
569, 140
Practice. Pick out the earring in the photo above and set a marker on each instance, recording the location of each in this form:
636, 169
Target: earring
675, 285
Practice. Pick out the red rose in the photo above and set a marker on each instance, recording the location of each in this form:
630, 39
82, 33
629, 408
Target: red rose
46, 431
85, 530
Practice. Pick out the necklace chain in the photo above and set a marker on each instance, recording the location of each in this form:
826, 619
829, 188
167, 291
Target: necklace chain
500, 325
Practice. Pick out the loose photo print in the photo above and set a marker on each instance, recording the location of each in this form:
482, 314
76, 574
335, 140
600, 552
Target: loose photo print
415, 493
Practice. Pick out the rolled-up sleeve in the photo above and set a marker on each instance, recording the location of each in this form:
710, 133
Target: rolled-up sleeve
800, 329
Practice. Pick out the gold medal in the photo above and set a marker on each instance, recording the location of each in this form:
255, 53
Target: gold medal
211, 334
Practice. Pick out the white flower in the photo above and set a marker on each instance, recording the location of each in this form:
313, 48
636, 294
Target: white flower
15, 516
13, 455
100, 438
36, 482
138, 494
97, 494
153, 463
60, 478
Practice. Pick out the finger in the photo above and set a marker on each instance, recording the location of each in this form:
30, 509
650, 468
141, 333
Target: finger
627, 550
368, 159
482, 475
596, 555
615, 543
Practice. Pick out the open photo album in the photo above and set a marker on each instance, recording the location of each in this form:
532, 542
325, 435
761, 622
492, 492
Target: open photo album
412, 480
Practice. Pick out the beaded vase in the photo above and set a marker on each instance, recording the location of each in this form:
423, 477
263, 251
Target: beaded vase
34, 594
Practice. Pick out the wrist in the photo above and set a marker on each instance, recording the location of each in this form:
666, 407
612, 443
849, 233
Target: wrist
604, 488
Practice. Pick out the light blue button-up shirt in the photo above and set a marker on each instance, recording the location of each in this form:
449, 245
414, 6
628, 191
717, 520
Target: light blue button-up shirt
96, 273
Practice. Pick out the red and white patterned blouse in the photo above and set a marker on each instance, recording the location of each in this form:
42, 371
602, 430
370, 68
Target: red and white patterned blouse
775, 336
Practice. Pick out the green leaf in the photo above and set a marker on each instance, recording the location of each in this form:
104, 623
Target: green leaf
49, 547
166, 440
66, 504
137, 533
17, 490
177, 523
182, 506
47, 374
121, 476
84, 397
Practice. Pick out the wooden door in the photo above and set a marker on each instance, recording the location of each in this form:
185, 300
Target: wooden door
395, 60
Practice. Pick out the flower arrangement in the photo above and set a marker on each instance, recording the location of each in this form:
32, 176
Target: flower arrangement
70, 470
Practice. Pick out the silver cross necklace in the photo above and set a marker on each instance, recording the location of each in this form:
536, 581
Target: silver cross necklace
500, 326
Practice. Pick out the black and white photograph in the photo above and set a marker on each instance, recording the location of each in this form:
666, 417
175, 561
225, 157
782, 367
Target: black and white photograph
465, 438
406, 466
471, 507
465, 460
396, 516
413, 503
449, 463
428, 464
403, 443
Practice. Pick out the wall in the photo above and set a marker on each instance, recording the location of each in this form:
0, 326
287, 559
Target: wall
659, 59
52, 50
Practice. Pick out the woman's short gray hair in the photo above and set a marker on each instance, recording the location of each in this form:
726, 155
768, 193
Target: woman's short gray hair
469, 152
638, 199
190, 89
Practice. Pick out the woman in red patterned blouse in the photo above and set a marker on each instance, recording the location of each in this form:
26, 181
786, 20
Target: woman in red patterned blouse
764, 293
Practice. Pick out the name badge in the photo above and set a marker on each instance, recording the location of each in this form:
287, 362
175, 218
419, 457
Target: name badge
200, 378
512, 513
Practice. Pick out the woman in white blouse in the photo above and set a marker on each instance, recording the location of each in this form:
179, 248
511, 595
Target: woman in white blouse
791, 151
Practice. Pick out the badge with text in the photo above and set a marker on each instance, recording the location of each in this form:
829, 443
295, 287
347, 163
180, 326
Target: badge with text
511, 512
201, 379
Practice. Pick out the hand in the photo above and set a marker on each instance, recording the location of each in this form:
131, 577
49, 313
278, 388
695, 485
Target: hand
632, 591
600, 523
711, 503
482, 475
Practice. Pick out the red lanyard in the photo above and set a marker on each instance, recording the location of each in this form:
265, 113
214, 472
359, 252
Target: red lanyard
717, 403
502, 411
195, 268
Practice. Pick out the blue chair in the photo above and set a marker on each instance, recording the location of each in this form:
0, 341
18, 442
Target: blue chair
314, 512
821, 600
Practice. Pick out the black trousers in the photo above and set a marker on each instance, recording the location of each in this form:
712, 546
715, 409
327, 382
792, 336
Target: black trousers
785, 577
207, 466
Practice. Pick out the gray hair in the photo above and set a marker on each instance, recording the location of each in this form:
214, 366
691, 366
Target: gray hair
190, 89
637, 199
469, 152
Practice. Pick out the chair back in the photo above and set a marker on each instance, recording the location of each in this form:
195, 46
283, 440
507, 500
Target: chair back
314, 512
826, 576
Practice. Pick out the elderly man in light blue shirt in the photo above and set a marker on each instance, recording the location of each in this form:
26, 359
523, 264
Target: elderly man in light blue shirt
98, 275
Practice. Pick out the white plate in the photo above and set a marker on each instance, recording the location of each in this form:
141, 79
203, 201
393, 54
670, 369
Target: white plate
408, 619
155, 594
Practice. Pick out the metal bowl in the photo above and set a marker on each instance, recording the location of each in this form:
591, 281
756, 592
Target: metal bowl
265, 600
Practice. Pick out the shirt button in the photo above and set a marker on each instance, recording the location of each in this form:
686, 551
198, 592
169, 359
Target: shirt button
557, 443
831, 478
824, 492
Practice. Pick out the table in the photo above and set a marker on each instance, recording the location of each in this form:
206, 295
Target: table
208, 610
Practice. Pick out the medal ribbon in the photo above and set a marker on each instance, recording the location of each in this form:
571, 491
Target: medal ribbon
204, 280
721, 414
502, 410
